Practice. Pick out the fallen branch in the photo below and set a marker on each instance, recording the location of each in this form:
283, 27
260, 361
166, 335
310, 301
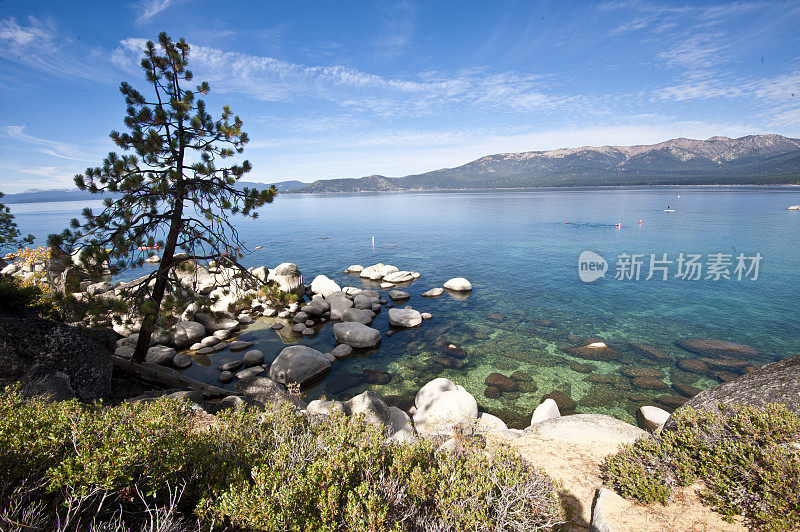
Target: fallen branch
168, 379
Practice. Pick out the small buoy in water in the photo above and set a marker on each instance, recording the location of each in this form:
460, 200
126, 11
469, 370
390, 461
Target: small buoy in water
257, 248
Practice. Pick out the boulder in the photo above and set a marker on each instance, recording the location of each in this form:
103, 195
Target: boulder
253, 357
342, 351
433, 292
711, 347
586, 427
213, 324
652, 418
324, 286
181, 361
565, 402
250, 372
489, 423
262, 389
300, 364
445, 412
185, 333
338, 306
160, 354
261, 273
225, 377
364, 300
370, 405
399, 277
778, 382
239, 345
356, 335
355, 268
399, 295
400, 426
322, 407
287, 276
458, 284
98, 288
231, 366
404, 317
595, 350
547, 410
357, 315
435, 387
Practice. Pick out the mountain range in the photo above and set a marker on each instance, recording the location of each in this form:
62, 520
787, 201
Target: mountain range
73, 194
755, 159
750, 160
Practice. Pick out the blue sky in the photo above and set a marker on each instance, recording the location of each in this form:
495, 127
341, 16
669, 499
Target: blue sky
346, 89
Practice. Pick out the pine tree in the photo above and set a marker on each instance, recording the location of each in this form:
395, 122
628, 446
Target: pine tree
173, 193
9, 233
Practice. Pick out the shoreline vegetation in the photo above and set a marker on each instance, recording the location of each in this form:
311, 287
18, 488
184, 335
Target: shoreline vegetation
100, 431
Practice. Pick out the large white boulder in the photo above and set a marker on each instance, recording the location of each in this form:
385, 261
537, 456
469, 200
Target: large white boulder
547, 410
324, 286
446, 412
399, 277
287, 276
300, 364
458, 284
586, 428
356, 334
404, 317
435, 387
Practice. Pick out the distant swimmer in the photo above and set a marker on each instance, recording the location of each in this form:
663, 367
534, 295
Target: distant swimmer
617, 226
639, 222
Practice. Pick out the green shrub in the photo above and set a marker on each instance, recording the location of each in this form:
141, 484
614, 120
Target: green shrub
15, 294
744, 455
248, 470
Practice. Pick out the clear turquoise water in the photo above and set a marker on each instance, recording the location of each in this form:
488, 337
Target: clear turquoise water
527, 300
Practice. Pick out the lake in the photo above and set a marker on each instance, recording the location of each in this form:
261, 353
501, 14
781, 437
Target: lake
520, 251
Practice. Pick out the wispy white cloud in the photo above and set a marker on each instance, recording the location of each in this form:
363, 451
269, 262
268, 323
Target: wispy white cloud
150, 8
271, 79
398, 27
56, 149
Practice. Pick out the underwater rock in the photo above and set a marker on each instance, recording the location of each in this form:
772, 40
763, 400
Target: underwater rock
564, 402
637, 371
694, 365
376, 376
501, 382
711, 347
726, 376
581, 368
492, 392
600, 379
650, 352
685, 389
597, 350
521, 376
671, 402
649, 383
454, 351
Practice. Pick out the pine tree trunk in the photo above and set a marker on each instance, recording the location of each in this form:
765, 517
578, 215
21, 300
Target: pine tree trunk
150, 321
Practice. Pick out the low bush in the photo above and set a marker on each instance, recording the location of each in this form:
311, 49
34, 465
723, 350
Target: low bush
68, 466
746, 456
31, 295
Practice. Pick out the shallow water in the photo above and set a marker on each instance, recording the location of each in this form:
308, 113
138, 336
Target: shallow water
528, 302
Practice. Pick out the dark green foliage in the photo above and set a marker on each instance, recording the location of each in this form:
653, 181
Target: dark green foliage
744, 455
249, 470
9, 233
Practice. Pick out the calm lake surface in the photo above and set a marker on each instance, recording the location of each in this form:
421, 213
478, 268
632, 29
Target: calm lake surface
520, 251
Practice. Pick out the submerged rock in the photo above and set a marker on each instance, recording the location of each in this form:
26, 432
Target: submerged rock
649, 383
565, 402
340, 382
711, 347
686, 389
596, 350
501, 382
